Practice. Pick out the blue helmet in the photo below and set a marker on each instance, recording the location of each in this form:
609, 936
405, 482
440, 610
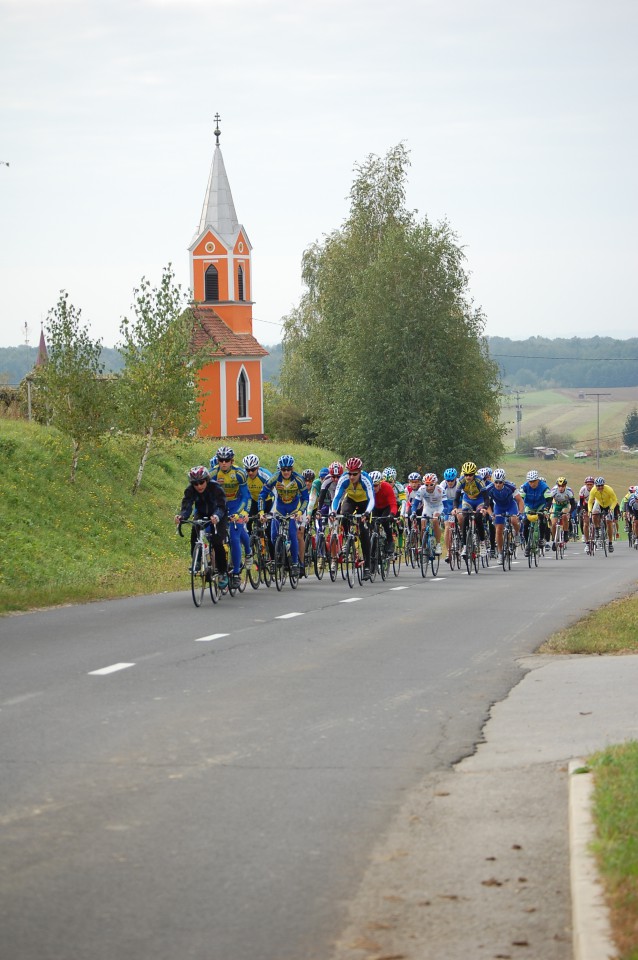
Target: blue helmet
323, 473
286, 460
450, 474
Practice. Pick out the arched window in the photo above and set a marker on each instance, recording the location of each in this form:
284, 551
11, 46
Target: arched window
243, 394
240, 282
211, 284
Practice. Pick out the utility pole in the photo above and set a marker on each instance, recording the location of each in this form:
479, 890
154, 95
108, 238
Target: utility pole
519, 415
598, 396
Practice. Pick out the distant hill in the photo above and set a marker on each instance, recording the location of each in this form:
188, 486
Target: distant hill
16, 362
576, 363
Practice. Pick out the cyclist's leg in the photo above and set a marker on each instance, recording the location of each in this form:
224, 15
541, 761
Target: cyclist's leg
294, 542
235, 546
499, 520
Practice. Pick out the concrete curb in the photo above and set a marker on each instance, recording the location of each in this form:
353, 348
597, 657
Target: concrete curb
590, 917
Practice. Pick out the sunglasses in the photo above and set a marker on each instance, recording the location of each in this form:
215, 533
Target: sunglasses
286, 469
199, 483
430, 486
253, 469
224, 460
354, 473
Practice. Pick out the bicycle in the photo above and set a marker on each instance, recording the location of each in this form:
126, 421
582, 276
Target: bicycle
456, 545
352, 555
412, 544
397, 528
260, 569
378, 548
427, 552
283, 560
334, 545
321, 559
558, 541
309, 547
202, 570
509, 544
472, 549
533, 547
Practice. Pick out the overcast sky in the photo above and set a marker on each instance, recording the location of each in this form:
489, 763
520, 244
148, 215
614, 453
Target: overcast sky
520, 119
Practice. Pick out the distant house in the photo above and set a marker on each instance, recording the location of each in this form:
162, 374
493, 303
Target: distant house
221, 281
547, 453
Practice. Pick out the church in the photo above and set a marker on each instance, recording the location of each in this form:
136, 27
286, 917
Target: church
221, 281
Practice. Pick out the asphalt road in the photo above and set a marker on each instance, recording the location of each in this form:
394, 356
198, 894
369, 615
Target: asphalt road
218, 796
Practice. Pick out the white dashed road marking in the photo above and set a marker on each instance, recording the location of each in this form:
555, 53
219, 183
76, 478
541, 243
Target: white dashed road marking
399, 588
351, 600
112, 669
288, 616
213, 636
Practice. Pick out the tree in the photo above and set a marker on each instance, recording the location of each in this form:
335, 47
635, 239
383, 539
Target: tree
630, 430
70, 393
158, 388
384, 353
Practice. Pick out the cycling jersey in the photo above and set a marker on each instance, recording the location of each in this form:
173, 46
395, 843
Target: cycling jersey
384, 496
563, 498
315, 490
536, 499
501, 496
470, 492
255, 482
233, 483
290, 493
605, 497
361, 492
432, 500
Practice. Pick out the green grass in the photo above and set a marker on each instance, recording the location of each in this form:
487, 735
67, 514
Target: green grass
64, 542
615, 811
609, 630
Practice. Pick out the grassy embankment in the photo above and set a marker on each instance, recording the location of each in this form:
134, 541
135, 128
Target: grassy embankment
612, 630
65, 542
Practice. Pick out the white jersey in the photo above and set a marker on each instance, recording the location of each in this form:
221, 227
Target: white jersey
432, 500
562, 497
449, 490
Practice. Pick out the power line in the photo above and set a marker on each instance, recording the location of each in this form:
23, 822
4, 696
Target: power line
526, 356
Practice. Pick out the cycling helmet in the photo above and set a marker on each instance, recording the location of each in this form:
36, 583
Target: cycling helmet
600, 481
589, 479
389, 474
483, 473
430, 478
323, 473
414, 477
214, 461
250, 461
561, 480
499, 474
285, 461
543, 479
225, 453
335, 469
468, 467
308, 474
375, 476
533, 475
450, 474
632, 489
197, 474
354, 463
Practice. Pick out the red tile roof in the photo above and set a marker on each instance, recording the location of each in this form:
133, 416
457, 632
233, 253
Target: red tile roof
210, 326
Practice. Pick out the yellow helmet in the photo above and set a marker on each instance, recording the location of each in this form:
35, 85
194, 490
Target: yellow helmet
468, 467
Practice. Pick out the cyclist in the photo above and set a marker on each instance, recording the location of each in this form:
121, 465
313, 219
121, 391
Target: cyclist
583, 515
449, 488
290, 495
632, 512
389, 474
411, 487
356, 491
315, 490
233, 480
430, 496
309, 479
485, 474
471, 496
506, 501
256, 476
329, 486
563, 502
602, 497
208, 499
385, 505
537, 496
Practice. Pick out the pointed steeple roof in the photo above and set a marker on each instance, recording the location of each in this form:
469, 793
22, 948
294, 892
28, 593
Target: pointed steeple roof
218, 211
43, 355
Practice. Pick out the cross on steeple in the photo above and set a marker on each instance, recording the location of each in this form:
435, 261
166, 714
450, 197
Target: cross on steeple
217, 131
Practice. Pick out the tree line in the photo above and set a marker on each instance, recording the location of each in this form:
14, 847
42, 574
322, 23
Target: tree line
576, 362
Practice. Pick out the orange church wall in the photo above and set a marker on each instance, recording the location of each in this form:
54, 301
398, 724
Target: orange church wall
237, 316
210, 410
209, 237
235, 426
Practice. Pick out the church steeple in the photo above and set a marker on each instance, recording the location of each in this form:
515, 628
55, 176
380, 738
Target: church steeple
218, 210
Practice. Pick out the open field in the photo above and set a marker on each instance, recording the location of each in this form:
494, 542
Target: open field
568, 412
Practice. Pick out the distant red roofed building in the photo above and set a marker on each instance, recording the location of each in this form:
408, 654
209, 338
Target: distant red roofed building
221, 281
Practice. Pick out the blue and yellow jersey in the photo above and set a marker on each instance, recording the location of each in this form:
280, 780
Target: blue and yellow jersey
536, 499
290, 493
470, 490
255, 482
357, 492
233, 483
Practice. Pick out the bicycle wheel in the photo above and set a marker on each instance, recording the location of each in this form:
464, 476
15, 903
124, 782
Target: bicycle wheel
293, 577
475, 551
603, 536
424, 555
505, 553
254, 569
396, 561
333, 559
530, 545
320, 558
198, 574
375, 556
435, 559
280, 562
308, 553
358, 558
348, 566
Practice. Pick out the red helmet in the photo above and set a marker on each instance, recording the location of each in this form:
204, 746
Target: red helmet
335, 469
430, 478
589, 479
354, 463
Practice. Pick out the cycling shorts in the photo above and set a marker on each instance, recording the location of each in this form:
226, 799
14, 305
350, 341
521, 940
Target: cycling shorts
509, 510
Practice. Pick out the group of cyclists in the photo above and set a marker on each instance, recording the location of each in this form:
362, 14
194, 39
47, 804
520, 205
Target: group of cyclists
233, 497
